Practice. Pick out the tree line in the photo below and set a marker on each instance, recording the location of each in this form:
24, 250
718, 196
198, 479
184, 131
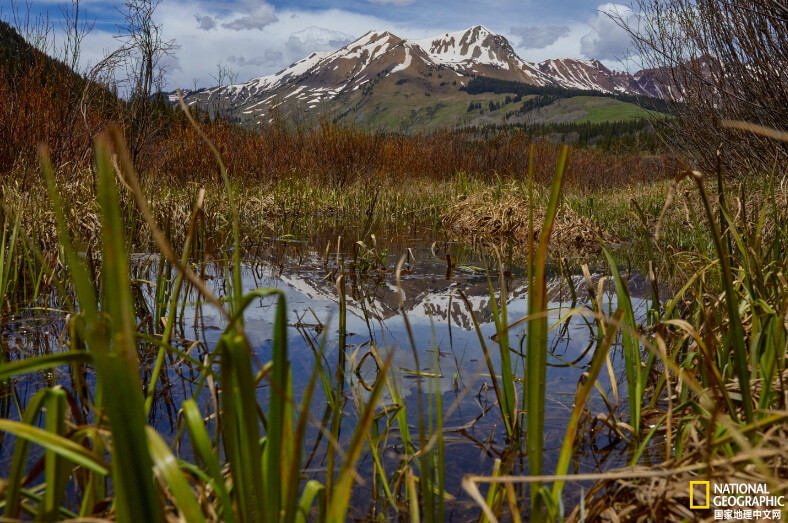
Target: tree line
484, 84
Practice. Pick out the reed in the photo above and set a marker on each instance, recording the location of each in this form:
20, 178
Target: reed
508, 398
536, 355
631, 347
9, 270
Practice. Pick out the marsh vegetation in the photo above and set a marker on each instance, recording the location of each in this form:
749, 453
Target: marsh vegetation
323, 324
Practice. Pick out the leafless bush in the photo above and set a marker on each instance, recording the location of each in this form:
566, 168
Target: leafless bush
143, 48
721, 60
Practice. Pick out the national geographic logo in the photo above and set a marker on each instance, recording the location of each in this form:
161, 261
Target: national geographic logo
736, 501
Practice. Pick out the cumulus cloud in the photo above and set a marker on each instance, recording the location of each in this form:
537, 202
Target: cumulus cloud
608, 40
206, 23
258, 14
314, 38
538, 36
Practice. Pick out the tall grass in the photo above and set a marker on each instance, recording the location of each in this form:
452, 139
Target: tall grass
698, 354
636, 375
536, 355
710, 358
9, 269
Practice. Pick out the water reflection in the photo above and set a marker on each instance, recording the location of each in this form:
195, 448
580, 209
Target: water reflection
441, 347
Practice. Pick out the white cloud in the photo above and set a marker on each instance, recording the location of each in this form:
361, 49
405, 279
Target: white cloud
294, 35
566, 46
206, 23
608, 40
311, 39
258, 14
538, 36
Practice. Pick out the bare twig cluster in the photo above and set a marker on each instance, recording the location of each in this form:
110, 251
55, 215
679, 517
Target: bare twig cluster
719, 60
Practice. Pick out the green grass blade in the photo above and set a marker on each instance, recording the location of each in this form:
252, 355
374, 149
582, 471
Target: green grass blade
280, 417
240, 431
55, 468
536, 355
166, 467
39, 363
735, 327
13, 487
203, 449
630, 344
312, 489
500, 318
58, 444
132, 469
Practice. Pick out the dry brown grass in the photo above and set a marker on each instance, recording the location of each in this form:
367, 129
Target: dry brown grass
645, 497
661, 492
486, 215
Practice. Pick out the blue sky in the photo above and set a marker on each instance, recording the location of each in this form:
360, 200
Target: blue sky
259, 37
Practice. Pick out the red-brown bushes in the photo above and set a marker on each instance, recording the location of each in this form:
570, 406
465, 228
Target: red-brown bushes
339, 156
44, 102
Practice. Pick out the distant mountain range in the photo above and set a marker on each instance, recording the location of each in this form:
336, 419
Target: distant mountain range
384, 81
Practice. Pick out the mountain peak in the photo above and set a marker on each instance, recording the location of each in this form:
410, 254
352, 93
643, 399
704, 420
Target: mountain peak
374, 36
480, 29
474, 31
369, 46
475, 45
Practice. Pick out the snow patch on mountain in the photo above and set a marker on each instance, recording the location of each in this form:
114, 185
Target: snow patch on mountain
289, 73
405, 64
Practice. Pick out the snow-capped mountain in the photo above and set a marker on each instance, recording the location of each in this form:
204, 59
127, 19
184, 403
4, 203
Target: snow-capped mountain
362, 80
479, 52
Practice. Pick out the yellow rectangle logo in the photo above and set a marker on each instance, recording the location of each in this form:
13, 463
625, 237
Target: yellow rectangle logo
692, 504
